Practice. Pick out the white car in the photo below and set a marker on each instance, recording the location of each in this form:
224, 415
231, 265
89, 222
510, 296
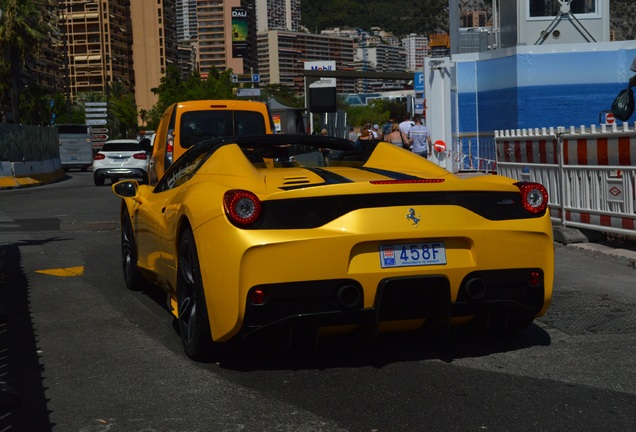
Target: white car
120, 158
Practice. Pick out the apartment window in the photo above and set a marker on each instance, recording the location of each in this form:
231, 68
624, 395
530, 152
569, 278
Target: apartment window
551, 8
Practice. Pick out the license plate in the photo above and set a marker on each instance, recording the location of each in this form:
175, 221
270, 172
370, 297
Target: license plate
412, 254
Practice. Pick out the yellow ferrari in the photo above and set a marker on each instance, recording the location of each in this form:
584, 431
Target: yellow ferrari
305, 235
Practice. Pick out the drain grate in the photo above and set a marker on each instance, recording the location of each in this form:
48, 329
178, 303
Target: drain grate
580, 313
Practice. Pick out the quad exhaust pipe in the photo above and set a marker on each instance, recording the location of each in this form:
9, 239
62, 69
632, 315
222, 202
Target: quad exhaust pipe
475, 288
348, 296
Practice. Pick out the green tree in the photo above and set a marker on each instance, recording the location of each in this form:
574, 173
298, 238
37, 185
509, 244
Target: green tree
122, 111
174, 88
20, 35
360, 115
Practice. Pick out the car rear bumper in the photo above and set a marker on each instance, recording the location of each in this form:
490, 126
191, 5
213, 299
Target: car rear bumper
402, 303
119, 172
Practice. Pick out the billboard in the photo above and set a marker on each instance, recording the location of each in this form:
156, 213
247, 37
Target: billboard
240, 32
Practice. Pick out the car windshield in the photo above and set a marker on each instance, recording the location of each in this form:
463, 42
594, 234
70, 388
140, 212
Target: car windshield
119, 147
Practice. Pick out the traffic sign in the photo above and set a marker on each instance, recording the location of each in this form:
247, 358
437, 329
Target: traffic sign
96, 109
99, 130
248, 92
96, 115
609, 118
245, 78
99, 137
96, 122
95, 104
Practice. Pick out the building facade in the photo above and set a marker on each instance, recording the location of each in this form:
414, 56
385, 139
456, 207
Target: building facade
218, 38
282, 54
154, 48
415, 48
277, 15
98, 41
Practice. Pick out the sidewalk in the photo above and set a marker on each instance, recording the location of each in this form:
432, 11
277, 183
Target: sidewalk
9, 182
596, 245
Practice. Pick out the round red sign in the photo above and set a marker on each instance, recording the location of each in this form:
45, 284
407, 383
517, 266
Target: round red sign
440, 146
609, 118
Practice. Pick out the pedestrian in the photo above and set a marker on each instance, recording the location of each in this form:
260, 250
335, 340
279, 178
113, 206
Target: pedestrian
386, 129
419, 138
406, 124
375, 131
352, 135
364, 138
323, 132
397, 137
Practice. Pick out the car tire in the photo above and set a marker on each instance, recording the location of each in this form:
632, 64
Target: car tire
99, 181
193, 322
114, 180
133, 278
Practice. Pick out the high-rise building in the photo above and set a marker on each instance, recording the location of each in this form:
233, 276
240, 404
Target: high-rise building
186, 20
97, 44
277, 15
154, 47
225, 36
416, 48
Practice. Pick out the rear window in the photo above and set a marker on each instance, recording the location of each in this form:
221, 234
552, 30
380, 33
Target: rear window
198, 126
121, 147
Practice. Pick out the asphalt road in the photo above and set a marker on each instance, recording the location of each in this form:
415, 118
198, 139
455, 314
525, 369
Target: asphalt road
78, 352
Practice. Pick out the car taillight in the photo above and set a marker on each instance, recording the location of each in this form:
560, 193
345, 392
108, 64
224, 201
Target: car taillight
141, 156
99, 156
534, 197
242, 207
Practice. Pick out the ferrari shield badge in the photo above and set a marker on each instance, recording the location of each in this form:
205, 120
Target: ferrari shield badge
413, 217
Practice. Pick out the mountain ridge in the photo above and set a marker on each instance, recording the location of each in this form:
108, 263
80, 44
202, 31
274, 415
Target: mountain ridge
431, 17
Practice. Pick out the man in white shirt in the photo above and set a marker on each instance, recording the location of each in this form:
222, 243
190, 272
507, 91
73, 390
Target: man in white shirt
406, 124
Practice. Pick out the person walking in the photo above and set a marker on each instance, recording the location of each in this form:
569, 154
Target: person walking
419, 138
352, 135
397, 137
386, 129
406, 124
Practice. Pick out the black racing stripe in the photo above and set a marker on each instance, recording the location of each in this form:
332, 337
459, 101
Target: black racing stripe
330, 177
391, 174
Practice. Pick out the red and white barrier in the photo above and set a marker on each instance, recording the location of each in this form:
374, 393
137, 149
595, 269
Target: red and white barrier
590, 174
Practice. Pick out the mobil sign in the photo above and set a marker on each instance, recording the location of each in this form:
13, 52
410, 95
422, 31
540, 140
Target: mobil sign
328, 65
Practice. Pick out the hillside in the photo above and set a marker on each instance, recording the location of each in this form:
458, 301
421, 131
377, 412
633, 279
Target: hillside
403, 17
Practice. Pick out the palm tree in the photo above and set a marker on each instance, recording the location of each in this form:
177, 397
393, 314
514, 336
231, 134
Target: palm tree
20, 37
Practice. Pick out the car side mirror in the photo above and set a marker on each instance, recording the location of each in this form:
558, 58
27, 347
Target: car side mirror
126, 188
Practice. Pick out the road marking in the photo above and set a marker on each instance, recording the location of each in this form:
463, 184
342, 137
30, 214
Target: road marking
64, 272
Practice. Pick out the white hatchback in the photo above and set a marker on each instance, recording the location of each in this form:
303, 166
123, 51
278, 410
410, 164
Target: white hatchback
121, 158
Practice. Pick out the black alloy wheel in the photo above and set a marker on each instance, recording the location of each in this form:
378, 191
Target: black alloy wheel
194, 325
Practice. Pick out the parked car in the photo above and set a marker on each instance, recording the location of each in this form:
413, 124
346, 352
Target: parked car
185, 123
306, 235
120, 158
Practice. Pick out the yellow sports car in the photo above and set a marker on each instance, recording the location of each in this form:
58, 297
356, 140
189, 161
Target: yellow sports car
305, 235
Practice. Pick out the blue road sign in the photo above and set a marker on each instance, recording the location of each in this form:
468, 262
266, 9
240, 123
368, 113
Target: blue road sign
418, 82
256, 78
